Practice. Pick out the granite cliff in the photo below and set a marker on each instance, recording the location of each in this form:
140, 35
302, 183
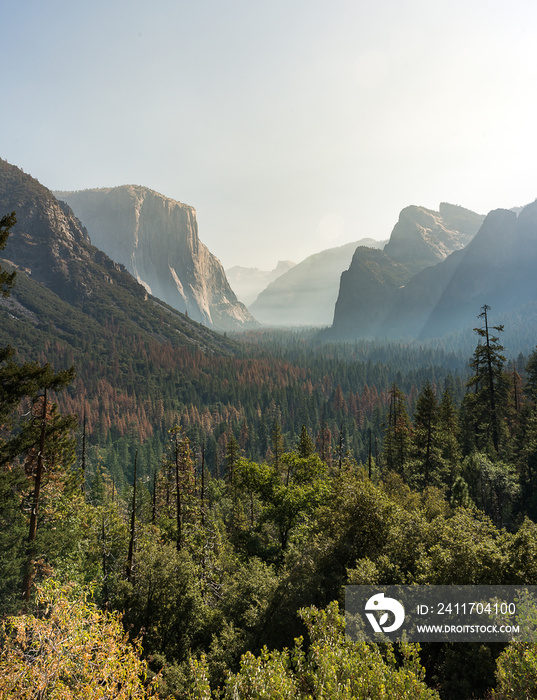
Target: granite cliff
156, 238
496, 267
366, 290
424, 237
370, 301
65, 286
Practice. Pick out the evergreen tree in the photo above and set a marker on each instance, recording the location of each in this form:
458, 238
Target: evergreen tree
460, 496
305, 444
426, 448
47, 463
397, 439
18, 382
232, 455
449, 427
6, 279
489, 386
530, 386
323, 443
184, 479
277, 444
513, 409
524, 454
132, 539
36, 447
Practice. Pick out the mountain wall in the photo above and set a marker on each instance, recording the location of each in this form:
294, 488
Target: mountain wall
367, 289
376, 296
423, 237
69, 288
496, 268
156, 238
306, 294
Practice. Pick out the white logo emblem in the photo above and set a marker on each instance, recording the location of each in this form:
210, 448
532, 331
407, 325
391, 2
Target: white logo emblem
379, 602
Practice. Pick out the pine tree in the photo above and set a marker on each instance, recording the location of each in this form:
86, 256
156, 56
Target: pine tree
232, 455
449, 426
525, 457
184, 479
323, 443
277, 444
514, 407
6, 279
129, 570
426, 443
37, 438
489, 385
530, 386
305, 444
397, 439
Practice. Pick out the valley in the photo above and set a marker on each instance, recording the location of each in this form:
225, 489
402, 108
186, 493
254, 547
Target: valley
211, 474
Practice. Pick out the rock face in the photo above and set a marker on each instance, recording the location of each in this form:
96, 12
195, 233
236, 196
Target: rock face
367, 289
369, 301
249, 282
306, 294
50, 246
496, 268
48, 242
156, 238
424, 237
413, 303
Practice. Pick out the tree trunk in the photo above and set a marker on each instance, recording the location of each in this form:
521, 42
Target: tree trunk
29, 575
130, 556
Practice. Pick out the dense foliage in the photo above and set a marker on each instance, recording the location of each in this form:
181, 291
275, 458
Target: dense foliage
132, 386
221, 501
69, 650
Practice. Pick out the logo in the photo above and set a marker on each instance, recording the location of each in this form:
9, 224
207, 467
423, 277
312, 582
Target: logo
379, 603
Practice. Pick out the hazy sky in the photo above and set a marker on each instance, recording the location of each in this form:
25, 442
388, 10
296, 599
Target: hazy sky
291, 126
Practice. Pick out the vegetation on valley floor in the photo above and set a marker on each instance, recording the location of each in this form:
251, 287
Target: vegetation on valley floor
264, 485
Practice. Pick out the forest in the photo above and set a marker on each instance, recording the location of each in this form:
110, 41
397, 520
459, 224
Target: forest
177, 523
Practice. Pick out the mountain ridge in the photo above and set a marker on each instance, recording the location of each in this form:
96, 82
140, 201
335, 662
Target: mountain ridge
422, 236
370, 289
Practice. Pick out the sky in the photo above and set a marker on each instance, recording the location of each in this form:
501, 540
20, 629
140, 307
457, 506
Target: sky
291, 126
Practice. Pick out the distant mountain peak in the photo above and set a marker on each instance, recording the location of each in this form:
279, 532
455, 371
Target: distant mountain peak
423, 236
284, 265
249, 282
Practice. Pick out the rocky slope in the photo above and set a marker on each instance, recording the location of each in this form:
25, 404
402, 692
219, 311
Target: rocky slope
249, 282
496, 268
66, 286
367, 289
156, 238
306, 294
368, 303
